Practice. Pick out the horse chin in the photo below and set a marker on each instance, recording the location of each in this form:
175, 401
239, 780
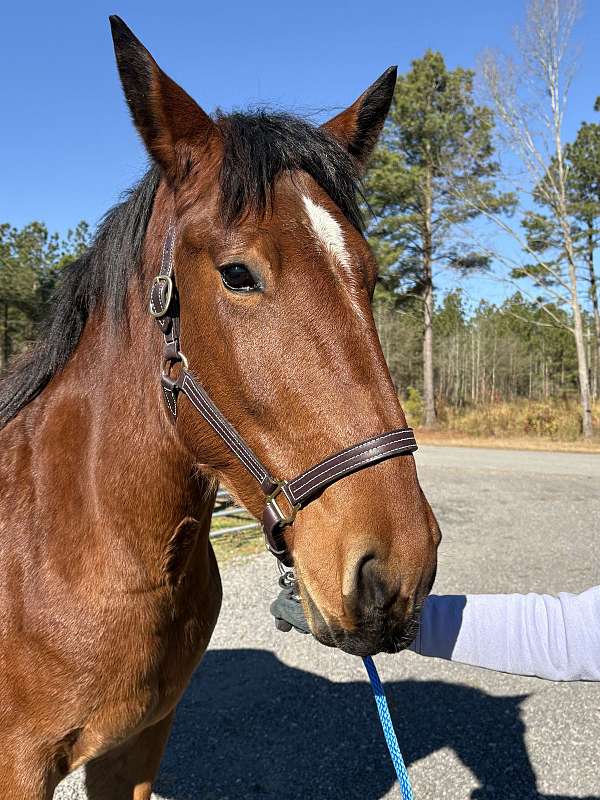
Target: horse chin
356, 643
377, 634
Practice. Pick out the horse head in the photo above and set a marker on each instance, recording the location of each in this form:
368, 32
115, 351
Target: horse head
275, 281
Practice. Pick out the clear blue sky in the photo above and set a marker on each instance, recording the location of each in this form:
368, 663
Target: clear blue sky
67, 147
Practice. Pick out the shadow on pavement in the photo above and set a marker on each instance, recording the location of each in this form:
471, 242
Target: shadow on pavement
251, 727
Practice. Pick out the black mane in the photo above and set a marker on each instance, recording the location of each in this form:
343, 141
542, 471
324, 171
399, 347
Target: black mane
257, 147
101, 275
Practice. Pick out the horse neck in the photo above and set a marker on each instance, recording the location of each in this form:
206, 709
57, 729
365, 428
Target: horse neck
104, 412
150, 475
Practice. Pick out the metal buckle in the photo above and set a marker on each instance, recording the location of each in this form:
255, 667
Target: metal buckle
169, 294
284, 519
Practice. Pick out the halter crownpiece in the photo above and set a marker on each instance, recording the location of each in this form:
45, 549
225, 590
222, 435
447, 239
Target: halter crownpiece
283, 498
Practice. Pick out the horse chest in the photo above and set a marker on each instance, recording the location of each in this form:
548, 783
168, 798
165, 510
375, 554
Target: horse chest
163, 639
146, 659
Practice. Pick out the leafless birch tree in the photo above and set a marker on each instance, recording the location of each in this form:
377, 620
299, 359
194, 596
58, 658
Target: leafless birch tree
529, 96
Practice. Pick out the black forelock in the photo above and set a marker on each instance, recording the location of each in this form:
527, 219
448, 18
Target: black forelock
259, 146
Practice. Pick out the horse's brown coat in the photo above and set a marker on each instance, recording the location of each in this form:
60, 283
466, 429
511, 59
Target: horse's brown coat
110, 589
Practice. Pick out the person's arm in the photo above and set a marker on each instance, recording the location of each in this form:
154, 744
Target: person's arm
557, 638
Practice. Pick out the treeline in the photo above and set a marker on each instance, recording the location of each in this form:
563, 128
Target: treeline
31, 260
457, 185
485, 355
480, 356
460, 185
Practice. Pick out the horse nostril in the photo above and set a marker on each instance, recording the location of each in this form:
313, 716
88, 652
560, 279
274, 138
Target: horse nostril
372, 588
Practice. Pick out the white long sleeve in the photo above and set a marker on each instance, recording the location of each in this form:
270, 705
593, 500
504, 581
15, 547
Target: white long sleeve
557, 638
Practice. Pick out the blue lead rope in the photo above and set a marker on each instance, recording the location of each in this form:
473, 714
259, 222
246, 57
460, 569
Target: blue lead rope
388, 729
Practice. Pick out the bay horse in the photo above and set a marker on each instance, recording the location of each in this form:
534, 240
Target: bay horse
110, 589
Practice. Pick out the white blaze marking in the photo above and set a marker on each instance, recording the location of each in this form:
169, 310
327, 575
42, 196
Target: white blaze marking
329, 233
327, 230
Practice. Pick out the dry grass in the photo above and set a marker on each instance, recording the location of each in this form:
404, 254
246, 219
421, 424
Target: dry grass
241, 543
234, 545
529, 425
456, 439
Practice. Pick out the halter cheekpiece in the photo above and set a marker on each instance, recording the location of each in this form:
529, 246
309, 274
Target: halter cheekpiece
296, 493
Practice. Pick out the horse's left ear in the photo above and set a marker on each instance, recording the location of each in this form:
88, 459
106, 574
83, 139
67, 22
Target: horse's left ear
358, 127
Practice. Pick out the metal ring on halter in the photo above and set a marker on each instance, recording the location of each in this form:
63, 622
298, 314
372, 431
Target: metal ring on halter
167, 363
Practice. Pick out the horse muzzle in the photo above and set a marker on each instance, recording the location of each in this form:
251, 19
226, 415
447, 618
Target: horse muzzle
374, 630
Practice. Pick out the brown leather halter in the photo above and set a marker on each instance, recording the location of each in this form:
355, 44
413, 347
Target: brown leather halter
298, 492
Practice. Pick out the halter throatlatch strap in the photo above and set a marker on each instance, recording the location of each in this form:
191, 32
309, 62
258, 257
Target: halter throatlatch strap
283, 499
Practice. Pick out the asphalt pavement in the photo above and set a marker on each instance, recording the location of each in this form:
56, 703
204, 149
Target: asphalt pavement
271, 715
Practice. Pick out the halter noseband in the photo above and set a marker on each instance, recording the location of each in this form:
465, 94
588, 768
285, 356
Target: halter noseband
298, 492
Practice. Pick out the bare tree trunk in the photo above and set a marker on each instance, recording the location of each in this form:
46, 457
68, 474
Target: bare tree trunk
493, 391
473, 369
457, 372
5, 339
549, 55
582, 370
593, 289
547, 67
478, 385
578, 332
428, 385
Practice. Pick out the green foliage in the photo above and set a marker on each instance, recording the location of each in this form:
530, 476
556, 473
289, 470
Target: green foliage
583, 176
542, 230
451, 317
413, 406
436, 149
31, 260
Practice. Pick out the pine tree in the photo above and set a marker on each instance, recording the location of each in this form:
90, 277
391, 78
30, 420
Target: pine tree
435, 139
30, 263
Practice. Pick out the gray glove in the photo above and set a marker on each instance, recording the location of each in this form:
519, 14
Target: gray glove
288, 613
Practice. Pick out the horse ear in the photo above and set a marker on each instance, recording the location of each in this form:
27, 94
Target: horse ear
170, 123
358, 127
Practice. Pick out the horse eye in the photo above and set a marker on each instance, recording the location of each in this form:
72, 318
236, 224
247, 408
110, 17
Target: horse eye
238, 278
